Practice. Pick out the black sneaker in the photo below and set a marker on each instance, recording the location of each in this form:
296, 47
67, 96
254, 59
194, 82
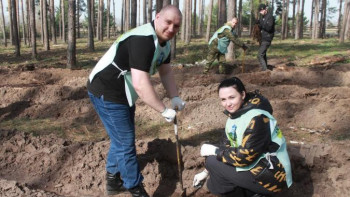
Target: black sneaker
138, 191
114, 184
270, 67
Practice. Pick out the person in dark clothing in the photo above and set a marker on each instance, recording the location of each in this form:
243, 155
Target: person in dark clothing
255, 159
267, 27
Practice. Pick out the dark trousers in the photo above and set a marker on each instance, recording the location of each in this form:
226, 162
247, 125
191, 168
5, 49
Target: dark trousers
262, 54
224, 179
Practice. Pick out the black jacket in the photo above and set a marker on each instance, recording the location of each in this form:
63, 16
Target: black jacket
267, 26
256, 141
257, 138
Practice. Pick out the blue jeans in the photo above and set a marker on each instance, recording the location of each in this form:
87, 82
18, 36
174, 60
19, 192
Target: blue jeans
118, 120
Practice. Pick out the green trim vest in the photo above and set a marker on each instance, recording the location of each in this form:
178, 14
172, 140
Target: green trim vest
235, 129
222, 42
160, 55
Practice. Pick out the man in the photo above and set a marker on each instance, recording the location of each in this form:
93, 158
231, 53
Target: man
267, 26
119, 78
218, 44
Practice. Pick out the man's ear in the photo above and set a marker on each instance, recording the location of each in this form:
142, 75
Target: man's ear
157, 15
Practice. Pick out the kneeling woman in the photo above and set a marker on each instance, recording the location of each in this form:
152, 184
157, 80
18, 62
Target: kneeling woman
255, 159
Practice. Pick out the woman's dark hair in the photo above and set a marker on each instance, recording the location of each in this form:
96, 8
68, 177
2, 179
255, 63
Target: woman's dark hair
234, 82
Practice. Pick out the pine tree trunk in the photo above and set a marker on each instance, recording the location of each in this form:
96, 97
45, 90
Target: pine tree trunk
138, 13
207, 36
251, 17
347, 30
188, 22
32, 28
194, 18
183, 22
46, 28
144, 8
63, 22
149, 15
297, 36
15, 28
100, 22
18, 22
293, 20
231, 12
71, 53
115, 20
344, 22
240, 27
312, 17
159, 5
286, 30
222, 13
339, 17
323, 19
122, 22
166, 2
315, 28
28, 23
91, 46
24, 33
133, 13
94, 28
77, 18
10, 21
200, 17
42, 21
108, 13
60, 21
3, 24
53, 23
282, 19
301, 28
173, 40
127, 15
286, 21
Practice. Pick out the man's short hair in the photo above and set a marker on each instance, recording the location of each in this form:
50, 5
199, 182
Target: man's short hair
262, 7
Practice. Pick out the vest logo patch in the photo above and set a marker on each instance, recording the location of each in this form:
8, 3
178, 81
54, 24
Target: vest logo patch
232, 133
160, 58
278, 132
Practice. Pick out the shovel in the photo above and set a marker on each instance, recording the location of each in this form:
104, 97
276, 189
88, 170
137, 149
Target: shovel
179, 158
243, 61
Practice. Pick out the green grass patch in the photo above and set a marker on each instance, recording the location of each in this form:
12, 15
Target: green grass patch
75, 131
35, 126
190, 53
301, 52
305, 50
153, 129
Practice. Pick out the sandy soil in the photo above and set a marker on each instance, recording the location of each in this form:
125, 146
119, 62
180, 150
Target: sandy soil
311, 105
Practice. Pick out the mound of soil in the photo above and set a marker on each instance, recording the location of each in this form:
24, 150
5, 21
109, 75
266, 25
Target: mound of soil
311, 105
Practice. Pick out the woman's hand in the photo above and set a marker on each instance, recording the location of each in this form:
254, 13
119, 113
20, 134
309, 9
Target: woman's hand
198, 178
208, 149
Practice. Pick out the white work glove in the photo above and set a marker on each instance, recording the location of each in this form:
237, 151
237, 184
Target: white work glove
198, 178
169, 114
208, 149
177, 103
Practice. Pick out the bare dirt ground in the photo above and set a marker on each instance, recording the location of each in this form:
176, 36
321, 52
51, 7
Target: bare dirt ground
311, 104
